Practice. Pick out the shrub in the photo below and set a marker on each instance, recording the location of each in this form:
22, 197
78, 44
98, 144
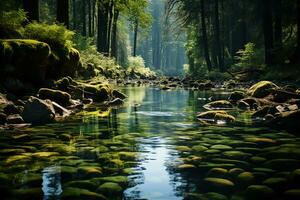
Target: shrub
249, 57
137, 66
11, 23
55, 35
106, 66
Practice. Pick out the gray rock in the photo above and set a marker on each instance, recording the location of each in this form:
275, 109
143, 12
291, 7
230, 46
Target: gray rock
37, 111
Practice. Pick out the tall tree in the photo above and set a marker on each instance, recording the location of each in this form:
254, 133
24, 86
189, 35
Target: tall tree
32, 7
62, 15
204, 35
278, 23
74, 14
268, 31
83, 17
102, 27
217, 38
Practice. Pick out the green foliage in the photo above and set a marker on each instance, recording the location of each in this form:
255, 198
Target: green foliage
54, 35
104, 65
137, 66
249, 57
12, 19
82, 42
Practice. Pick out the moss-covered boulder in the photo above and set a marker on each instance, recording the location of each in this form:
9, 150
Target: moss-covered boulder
110, 188
98, 93
218, 105
219, 185
37, 111
215, 117
60, 97
236, 96
118, 94
289, 121
259, 192
261, 89
24, 59
78, 193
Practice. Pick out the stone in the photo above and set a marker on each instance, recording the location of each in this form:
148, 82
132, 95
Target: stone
292, 194
218, 105
221, 147
3, 118
236, 96
15, 119
11, 109
243, 105
245, 179
37, 111
110, 188
259, 192
218, 185
261, 89
217, 173
215, 117
60, 97
116, 102
276, 183
75, 193
118, 94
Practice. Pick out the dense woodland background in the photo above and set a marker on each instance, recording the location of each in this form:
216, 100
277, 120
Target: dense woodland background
218, 39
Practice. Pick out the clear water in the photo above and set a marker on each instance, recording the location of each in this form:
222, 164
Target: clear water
152, 148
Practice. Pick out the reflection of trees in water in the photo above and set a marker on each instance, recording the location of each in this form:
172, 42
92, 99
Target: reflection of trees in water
51, 185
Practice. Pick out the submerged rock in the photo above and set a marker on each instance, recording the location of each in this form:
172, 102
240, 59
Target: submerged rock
110, 188
118, 94
236, 96
15, 119
60, 97
37, 111
219, 185
259, 192
261, 89
218, 105
215, 117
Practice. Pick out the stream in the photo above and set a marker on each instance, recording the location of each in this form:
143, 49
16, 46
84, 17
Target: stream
151, 148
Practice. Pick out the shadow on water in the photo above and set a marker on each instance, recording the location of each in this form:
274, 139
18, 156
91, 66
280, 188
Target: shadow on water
151, 148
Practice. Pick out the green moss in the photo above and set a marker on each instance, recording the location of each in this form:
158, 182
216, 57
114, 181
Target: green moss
261, 89
110, 188
183, 148
215, 116
78, 193
218, 105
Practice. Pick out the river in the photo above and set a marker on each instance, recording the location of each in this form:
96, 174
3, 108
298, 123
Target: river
153, 147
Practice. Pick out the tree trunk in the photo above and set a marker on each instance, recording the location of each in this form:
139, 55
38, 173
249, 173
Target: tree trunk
74, 15
93, 17
90, 17
298, 27
32, 8
278, 24
109, 29
136, 27
62, 15
102, 29
217, 35
114, 51
204, 37
268, 31
83, 15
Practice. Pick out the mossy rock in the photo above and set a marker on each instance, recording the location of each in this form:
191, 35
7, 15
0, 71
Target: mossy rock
28, 193
110, 188
282, 164
245, 179
89, 171
60, 97
218, 105
218, 185
276, 183
118, 94
183, 148
24, 59
215, 116
121, 180
217, 173
292, 194
261, 89
83, 184
221, 147
259, 192
236, 96
74, 193
186, 167
199, 148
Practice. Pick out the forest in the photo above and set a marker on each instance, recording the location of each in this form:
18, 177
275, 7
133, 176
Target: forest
150, 99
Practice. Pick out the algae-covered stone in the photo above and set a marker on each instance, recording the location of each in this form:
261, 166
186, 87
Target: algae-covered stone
121, 180
292, 194
110, 188
199, 148
60, 97
118, 94
84, 184
261, 89
217, 173
236, 96
259, 192
221, 147
186, 167
219, 185
245, 179
74, 193
282, 164
15, 119
28, 193
90, 171
236, 154
183, 148
215, 117
37, 111
276, 183
24, 59
218, 105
